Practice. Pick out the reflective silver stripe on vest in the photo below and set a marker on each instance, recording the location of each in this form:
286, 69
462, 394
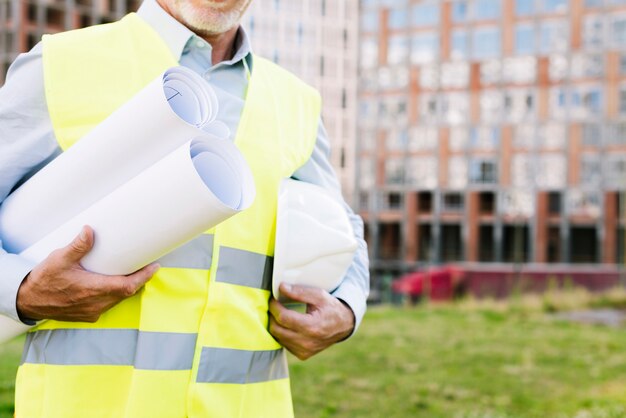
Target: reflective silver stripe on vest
225, 365
196, 254
244, 268
112, 347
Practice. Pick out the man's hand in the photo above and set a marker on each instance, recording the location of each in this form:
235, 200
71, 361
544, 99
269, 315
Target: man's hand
326, 321
59, 288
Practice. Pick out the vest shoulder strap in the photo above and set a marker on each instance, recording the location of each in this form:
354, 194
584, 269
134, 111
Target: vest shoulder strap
78, 65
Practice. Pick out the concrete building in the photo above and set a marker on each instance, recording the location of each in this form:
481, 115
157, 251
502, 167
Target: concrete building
492, 131
315, 39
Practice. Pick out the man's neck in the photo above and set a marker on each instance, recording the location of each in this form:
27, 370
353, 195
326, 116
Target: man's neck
223, 45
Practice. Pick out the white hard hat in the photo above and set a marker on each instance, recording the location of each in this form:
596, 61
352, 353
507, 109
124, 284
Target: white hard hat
315, 242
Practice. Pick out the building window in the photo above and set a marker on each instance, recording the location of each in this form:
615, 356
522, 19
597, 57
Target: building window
615, 171
591, 4
455, 74
622, 100
459, 138
554, 6
422, 172
491, 105
369, 21
452, 202
617, 134
398, 19
486, 43
554, 36
587, 66
398, 49
590, 170
593, 31
551, 171
394, 171
369, 53
457, 172
592, 134
423, 138
424, 48
459, 11
487, 9
524, 7
524, 39
554, 203
551, 136
397, 140
425, 14
391, 201
484, 138
618, 31
455, 108
367, 173
459, 48
483, 171
519, 104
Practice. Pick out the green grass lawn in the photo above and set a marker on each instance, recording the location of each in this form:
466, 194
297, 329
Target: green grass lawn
451, 362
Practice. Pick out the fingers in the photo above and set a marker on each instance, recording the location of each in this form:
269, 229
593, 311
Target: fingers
297, 345
304, 294
79, 247
286, 317
126, 286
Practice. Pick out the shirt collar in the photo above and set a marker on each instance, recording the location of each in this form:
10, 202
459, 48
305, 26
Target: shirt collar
176, 35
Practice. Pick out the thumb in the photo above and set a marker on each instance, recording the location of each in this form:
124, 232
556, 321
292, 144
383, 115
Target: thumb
80, 245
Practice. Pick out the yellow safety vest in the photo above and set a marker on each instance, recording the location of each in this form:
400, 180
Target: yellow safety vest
194, 342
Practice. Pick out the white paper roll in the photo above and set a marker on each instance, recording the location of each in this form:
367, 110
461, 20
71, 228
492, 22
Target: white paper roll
194, 188
164, 115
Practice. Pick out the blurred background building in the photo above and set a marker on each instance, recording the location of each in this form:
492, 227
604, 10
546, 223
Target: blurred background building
492, 131
315, 39
489, 131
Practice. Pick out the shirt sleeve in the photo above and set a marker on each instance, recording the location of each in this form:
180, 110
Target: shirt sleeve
354, 287
27, 143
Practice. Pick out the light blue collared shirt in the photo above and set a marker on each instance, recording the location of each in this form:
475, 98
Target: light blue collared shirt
27, 140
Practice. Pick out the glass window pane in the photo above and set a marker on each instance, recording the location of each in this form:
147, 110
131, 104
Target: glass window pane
618, 30
426, 14
369, 21
483, 171
457, 172
459, 47
487, 9
486, 43
524, 40
554, 6
554, 36
398, 19
425, 48
398, 49
422, 172
459, 11
524, 7
593, 31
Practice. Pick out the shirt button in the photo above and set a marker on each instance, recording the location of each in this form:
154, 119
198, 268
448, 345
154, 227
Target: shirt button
200, 44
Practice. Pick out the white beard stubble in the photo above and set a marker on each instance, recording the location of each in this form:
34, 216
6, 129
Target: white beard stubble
209, 22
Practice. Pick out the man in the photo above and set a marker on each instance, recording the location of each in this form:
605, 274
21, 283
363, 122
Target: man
194, 340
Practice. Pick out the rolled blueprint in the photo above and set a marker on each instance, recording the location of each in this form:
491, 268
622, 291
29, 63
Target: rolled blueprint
197, 186
166, 114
